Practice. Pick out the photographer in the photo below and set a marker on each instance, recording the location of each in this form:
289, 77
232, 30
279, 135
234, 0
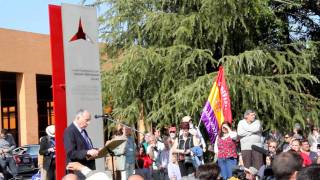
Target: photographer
266, 170
7, 144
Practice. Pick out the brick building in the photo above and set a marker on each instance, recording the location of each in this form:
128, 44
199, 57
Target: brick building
26, 106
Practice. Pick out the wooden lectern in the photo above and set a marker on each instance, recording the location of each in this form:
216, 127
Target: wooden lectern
108, 149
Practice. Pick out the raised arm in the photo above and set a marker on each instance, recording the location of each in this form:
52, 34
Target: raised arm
175, 147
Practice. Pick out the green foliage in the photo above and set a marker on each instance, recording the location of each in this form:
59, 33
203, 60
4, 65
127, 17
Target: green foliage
272, 82
166, 52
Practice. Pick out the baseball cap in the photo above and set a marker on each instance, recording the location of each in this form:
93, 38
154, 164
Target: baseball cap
186, 119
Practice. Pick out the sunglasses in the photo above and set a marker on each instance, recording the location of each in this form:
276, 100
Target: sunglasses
172, 132
286, 137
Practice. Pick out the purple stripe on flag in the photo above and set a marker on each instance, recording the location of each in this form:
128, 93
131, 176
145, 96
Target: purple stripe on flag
210, 121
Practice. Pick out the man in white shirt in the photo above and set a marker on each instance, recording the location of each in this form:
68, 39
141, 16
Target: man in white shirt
249, 131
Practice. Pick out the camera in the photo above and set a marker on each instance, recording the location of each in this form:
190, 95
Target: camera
318, 146
263, 151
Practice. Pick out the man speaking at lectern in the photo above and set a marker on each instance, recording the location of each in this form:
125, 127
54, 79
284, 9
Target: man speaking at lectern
77, 144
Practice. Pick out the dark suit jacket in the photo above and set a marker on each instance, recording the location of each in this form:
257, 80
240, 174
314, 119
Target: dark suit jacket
47, 156
76, 148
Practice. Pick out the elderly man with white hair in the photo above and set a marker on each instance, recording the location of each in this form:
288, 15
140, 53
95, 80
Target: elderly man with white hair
249, 131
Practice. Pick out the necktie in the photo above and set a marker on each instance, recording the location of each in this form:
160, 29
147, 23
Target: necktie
86, 138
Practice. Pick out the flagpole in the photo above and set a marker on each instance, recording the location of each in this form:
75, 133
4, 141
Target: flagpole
199, 123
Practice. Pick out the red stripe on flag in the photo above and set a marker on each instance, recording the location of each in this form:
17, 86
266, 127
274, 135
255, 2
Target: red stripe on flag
224, 96
58, 85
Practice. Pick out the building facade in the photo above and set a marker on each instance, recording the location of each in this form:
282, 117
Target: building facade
26, 105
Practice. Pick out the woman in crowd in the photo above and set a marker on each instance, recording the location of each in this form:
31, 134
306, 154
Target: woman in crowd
182, 146
314, 138
143, 163
225, 148
265, 170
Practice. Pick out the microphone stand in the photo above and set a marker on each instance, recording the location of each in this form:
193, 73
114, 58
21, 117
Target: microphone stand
109, 118
112, 161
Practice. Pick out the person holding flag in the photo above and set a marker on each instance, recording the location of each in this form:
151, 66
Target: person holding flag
217, 108
216, 115
226, 150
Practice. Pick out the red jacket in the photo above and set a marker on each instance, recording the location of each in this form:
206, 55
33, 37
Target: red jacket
306, 159
147, 162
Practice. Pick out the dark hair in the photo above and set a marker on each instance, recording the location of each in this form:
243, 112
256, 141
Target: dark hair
297, 141
290, 134
309, 173
119, 132
285, 164
184, 125
4, 131
304, 140
313, 127
141, 146
220, 131
208, 172
272, 140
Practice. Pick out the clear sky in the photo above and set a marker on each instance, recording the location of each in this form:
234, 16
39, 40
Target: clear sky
28, 15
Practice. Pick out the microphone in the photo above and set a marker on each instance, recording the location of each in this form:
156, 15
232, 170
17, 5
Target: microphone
101, 116
260, 150
110, 118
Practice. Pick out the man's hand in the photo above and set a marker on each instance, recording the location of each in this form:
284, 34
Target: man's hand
187, 151
174, 177
51, 150
268, 161
75, 166
204, 149
93, 152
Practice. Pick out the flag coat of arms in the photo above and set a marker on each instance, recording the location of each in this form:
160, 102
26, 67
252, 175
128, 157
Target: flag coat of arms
217, 108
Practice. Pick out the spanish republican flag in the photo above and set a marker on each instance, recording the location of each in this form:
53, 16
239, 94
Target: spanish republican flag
218, 107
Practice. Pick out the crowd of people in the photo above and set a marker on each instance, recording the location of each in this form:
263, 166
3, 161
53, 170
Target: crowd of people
242, 153
179, 152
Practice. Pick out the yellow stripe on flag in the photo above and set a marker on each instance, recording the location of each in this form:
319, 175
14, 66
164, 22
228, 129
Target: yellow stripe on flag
216, 103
